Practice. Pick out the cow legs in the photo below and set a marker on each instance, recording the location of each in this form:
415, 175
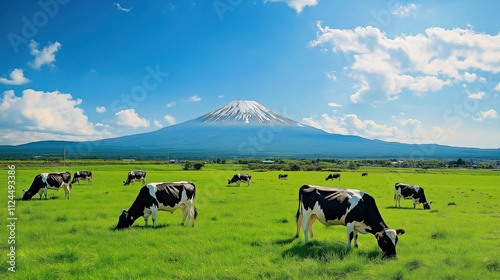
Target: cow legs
299, 219
355, 238
66, 190
305, 227
311, 222
351, 234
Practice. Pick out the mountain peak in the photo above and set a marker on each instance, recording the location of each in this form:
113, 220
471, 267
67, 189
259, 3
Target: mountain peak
245, 112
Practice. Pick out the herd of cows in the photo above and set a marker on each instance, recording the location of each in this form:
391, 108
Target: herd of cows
354, 209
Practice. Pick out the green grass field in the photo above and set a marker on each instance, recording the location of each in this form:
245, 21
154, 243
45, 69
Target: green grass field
247, 232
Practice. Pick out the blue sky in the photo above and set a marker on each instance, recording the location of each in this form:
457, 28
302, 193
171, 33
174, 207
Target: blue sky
405, 71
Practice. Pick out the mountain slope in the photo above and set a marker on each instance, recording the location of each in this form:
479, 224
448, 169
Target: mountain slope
241, 128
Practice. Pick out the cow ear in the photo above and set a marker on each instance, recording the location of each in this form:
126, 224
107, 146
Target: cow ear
379, 235
400, 231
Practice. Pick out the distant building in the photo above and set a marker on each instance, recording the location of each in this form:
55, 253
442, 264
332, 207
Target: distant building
268, 161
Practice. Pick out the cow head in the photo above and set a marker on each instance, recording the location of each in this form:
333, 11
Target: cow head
125, 220
27, 195
427, 205
387, 241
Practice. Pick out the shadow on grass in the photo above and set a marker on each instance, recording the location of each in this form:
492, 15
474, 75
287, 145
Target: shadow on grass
141, 227
403, 208
317, 250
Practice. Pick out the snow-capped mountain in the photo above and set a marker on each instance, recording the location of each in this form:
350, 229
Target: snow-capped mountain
245, 112
242, 128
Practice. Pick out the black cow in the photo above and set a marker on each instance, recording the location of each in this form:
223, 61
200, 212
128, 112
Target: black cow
135, 175
164, 196
237, 178
332, 176
413, 192
283, 176
52, 181
364, 174
354, 209
82, 175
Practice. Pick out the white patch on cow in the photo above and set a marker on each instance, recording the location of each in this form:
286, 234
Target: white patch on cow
361, 227
417, 188
131, 173
77, 173
392, 235
44, 177
152, 189
354, 198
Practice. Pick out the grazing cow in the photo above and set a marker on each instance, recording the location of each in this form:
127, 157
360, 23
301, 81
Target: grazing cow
364, 174
52, 181
283, 176
354, 209
332, 176
82, 175
237, 178
164, 196
135, 175
415, 193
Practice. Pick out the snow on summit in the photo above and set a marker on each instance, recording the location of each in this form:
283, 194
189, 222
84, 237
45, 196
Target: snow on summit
245, 111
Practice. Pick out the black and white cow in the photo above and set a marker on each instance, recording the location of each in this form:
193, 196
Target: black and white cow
135, 175
332, 176
82, 175
52, 181
163, 196
354, 209
283, 176
237, 178
413, 192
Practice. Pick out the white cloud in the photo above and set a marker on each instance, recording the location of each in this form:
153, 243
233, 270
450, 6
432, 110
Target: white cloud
384, 67
335, 105
129, 117
401, 10
100, 109
170, 119
171, 104
157, 123
16, 78
38, 115
120, 8
297, 5
194, 98
477, 95
331, 75
497, 88
45, 56
490, 114
402, 129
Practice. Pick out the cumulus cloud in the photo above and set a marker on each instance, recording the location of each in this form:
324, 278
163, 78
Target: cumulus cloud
171, 104
402, 129
401, 10
490, 114
170, 119
130, 117
38, 115
497, 88
476, 95
297, 5
45, 56
16, 78
384, 67
157, 123
120, 8
100, 109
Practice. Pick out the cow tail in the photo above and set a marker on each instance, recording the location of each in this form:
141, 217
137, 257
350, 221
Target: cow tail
299, 208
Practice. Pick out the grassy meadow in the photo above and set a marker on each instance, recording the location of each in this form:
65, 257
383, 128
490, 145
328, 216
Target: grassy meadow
248, 232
